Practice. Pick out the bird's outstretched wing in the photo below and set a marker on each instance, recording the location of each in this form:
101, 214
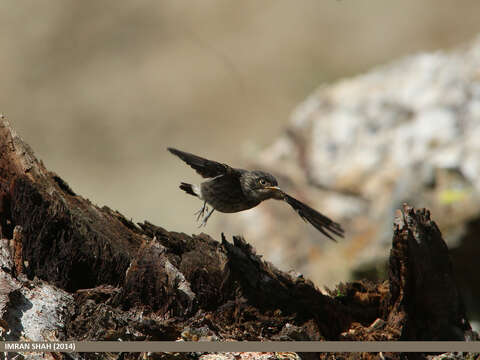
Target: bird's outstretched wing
319, 221
204, 167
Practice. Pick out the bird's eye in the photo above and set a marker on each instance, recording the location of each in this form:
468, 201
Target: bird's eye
263, 182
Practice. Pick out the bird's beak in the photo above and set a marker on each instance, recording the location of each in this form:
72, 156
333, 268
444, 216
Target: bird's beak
278, 192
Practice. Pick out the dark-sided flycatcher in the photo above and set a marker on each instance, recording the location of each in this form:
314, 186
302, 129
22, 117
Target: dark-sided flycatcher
232, 190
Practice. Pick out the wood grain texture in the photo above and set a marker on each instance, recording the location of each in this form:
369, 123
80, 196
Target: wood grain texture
142, 282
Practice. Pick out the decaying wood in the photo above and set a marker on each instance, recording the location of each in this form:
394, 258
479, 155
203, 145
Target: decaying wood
142, 282
424, 295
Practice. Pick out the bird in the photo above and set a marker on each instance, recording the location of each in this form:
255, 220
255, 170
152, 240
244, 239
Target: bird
230, 190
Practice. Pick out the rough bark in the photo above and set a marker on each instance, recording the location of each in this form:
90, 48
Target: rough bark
424, 295
118, 280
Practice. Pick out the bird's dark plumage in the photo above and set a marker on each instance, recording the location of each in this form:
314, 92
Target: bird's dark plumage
319, 221
233, 190
205, 168
188, 188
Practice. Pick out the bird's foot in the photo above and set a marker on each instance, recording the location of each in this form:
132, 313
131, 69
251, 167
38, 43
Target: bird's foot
201, 213
205, 219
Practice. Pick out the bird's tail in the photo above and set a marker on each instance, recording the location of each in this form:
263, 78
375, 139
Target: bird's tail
188, 188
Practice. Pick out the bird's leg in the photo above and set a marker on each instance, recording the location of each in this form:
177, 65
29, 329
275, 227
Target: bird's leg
202, 211
204, 221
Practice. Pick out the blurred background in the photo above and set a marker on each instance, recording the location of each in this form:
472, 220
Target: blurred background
100, 89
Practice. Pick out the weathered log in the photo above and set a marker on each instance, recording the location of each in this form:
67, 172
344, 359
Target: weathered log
424, 296
142, 282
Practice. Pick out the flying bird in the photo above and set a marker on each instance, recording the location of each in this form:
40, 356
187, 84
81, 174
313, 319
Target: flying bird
231, 190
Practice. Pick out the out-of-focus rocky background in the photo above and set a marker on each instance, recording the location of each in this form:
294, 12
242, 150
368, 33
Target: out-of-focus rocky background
99, 89
405, 132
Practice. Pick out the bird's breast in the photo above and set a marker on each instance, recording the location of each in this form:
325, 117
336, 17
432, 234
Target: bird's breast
225, 195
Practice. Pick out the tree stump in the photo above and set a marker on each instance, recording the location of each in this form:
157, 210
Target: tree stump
120, 280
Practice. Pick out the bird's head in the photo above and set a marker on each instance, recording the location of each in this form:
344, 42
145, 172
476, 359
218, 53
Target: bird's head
259, 185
